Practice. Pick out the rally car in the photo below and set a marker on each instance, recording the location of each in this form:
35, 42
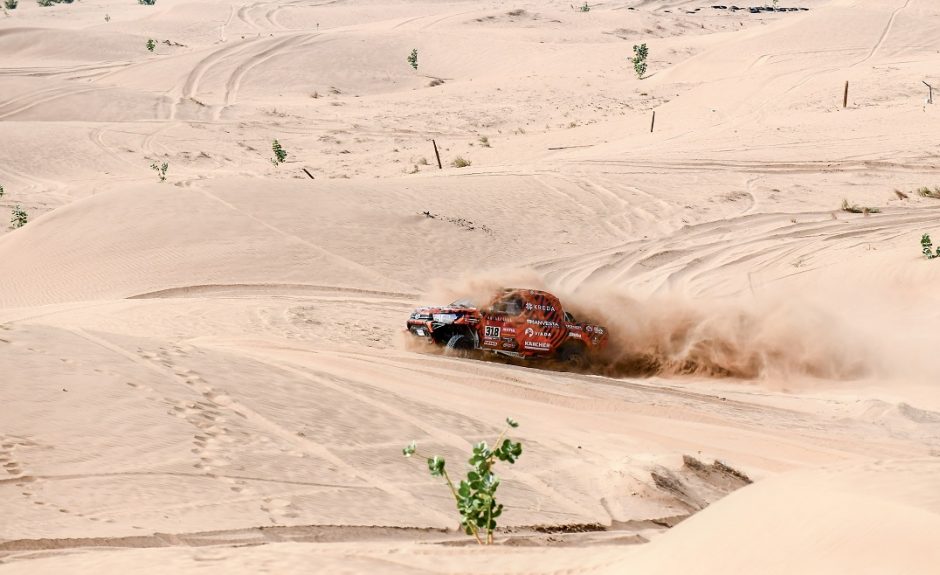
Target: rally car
523, 323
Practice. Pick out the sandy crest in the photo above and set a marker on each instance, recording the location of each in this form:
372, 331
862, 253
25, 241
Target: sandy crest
208, 373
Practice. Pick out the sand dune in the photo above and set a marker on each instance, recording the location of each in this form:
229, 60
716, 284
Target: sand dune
208, 373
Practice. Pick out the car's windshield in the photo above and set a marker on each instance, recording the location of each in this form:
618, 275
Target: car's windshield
462, 302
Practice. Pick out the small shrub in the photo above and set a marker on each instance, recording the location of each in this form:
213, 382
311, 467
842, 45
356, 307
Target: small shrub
516, 12
413, 58
280, 154
926, 246
476, 495
484, 141
422, 161
151, 44
46, 2
20, 217
459, 162
639, 59
1, 191
11, 4
926, 192
435, 82
857, 209
107, 17
585, 8
147, 2
160, 170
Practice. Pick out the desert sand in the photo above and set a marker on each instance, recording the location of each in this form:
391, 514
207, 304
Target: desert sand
209, 373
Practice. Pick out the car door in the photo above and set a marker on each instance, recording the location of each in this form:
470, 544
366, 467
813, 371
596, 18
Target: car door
542, 331
503, 320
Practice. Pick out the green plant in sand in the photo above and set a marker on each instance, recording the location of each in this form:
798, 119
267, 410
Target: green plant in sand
160, 170
20, 217
475, 496
926, 246
413, 58
280, 154
639, 59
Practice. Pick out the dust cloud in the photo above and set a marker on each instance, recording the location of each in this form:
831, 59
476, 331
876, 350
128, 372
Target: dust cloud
674, 335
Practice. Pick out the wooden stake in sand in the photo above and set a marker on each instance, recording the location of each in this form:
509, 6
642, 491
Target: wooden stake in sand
653, 122
845, 96
437, 155
929, 92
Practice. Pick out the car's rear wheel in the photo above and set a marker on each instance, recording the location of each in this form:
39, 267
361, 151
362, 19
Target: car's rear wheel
573, 356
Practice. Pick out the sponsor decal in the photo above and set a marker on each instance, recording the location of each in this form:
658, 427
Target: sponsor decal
542, 322
509, 345
529, 332
491, 331
599, 330
509, 331
589, 329
575, 335
573, 326
539, 307
537, 345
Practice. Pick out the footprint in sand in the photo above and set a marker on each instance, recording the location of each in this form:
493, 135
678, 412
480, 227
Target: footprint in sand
279, 510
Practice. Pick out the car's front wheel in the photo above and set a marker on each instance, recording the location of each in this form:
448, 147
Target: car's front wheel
460, 344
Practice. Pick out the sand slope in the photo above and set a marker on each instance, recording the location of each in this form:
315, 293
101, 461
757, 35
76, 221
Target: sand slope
208, 373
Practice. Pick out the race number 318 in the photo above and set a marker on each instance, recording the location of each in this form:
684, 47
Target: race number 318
491, 331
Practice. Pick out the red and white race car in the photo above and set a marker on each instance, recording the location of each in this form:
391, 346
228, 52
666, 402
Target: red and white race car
522, 323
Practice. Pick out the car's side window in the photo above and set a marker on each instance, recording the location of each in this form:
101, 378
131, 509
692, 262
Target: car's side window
514, 306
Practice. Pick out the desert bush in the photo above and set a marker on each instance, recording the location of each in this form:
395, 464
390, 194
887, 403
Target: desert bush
476, 495
857, 209
11, 4
46, 2
151, 44
639, 59
459, 162
926, 246
147, 2
160, 170
516, 12
422, 161
585, 8
926, 192
413, 58
280, 154
20, 217
1, 191
484, 141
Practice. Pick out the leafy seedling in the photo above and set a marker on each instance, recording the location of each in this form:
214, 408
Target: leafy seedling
926, 246
151, 44
280, 154
160, 170
413, 58
639, 59
20, 217
475, 496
